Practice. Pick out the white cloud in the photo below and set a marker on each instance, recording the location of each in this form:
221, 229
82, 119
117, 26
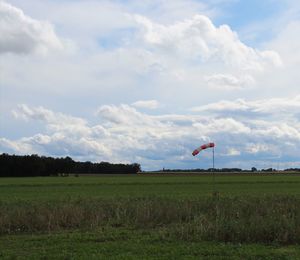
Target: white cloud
199, 39
275, 106
54, 121
123, 114
232, 152
258, 147
286, 80
43, 114
230, 82
169, 11
116, 56
281, 130
22, 34
19, 146
124, 134
150, 104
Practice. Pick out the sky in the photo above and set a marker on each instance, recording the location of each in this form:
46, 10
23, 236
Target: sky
149, 81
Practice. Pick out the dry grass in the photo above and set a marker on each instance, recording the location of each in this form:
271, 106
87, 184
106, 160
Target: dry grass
266, 219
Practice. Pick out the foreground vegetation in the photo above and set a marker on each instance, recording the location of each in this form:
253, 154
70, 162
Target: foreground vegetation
121, 243
236, 217
267, 219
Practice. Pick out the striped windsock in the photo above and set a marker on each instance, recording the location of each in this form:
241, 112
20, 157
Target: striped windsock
203, 147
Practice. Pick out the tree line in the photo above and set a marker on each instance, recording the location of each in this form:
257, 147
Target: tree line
253, 169
34, 165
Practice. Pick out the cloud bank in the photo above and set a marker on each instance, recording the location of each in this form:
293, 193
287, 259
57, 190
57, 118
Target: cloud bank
123, 133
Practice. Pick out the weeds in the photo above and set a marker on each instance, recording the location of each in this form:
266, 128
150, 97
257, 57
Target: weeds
242, 219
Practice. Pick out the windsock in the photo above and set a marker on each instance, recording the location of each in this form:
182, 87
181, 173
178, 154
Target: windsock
203, 147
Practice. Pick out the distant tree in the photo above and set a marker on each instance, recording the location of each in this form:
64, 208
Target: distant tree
253, 169
34, 165
267, 170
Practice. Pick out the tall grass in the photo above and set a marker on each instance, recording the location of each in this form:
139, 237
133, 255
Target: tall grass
241, 219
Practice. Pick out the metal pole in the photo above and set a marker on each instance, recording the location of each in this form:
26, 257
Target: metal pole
213, 158
214, 185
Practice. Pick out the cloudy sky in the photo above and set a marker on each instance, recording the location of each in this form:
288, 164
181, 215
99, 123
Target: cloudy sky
148, 81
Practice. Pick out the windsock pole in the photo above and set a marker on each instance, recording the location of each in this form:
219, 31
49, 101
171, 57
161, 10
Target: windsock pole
213, 168
203, 147
213, 158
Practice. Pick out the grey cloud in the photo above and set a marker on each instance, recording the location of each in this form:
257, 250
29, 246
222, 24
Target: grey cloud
276, 106
22, 34
125, 134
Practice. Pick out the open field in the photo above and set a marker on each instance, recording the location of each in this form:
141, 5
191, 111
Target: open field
171, 216
170, 186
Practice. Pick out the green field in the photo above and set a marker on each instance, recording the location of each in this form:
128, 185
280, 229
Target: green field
151, 217
170, 186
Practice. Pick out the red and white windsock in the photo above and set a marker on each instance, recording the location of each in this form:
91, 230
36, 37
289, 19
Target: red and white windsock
203, 147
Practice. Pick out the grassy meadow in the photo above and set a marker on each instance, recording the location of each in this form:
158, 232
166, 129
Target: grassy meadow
171, 186
151, 217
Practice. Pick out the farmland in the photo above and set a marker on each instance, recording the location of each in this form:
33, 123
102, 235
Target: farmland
172, 216
170, 186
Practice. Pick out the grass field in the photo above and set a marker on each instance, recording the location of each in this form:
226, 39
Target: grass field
151, 217
170, 186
